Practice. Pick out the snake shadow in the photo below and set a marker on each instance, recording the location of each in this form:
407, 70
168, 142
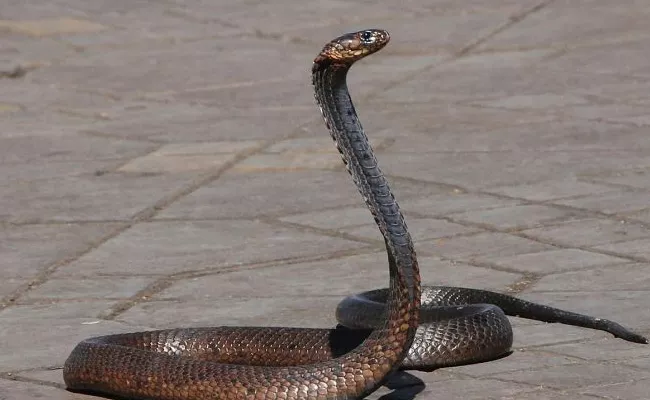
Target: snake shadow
404, 385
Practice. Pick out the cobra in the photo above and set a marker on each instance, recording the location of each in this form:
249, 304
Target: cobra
452, 325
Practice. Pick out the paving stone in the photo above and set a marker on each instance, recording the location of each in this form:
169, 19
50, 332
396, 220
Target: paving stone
635, 178
242, 194
150, 66
49, 27
631, 93
629, 391
168, 122
608, 350
55, 97
88, 288
472, 170
315, 312
554, 261
337, 218
27, 249
547, 394
551, 190
565, 23
14, 390
592, 232
618, 115
23, 344
165, 247
617, 277
455, 201
575, 376
439, 125
29, 123
643, 362
470, 81
602, 59
89, 196
475, 389
336, 277
517, 217
637, 248
611, 203
643, 216
520, 359
182, 157
25, 149
52, 374
481, 246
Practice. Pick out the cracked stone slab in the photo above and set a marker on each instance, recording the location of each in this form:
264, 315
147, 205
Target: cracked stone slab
50, 27
94, 288
565, 24
616, 277
66, 324
293, 311
552, 190
455, 201
608, 350
557, 260
154, 68
591, 232
520, 359
630, 391
15, 390
169, 123
336, 277
176, 157
474, 170
41, 148
482, 246
29, 250
517, 217
576, 376
166, 247
638, 178
611, 203
636, 248
92, 194
468, 388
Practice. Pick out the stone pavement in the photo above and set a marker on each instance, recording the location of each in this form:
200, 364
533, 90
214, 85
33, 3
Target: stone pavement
163, 164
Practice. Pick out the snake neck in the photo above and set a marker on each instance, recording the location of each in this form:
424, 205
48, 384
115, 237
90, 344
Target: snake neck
336, 106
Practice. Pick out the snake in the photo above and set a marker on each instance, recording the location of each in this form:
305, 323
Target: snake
404, 326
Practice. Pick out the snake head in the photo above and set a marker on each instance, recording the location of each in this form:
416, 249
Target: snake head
352, 47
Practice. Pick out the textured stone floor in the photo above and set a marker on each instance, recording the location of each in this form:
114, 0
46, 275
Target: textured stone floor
162, 164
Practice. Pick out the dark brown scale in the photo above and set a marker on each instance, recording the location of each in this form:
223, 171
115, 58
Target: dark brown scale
458, 326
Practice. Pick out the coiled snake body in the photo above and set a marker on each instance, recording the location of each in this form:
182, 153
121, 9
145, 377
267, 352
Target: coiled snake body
459, 325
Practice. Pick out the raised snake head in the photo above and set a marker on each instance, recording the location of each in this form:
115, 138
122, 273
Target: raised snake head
352, 47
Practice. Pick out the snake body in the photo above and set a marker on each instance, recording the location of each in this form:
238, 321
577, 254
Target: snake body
342, 363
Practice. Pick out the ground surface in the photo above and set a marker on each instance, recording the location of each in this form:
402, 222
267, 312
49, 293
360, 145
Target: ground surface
163, 164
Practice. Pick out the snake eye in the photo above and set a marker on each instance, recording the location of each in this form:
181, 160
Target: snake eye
367, 37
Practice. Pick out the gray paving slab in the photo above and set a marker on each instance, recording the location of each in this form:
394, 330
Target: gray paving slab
162, 164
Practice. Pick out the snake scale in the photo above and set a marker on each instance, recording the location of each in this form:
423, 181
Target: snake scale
452, 326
